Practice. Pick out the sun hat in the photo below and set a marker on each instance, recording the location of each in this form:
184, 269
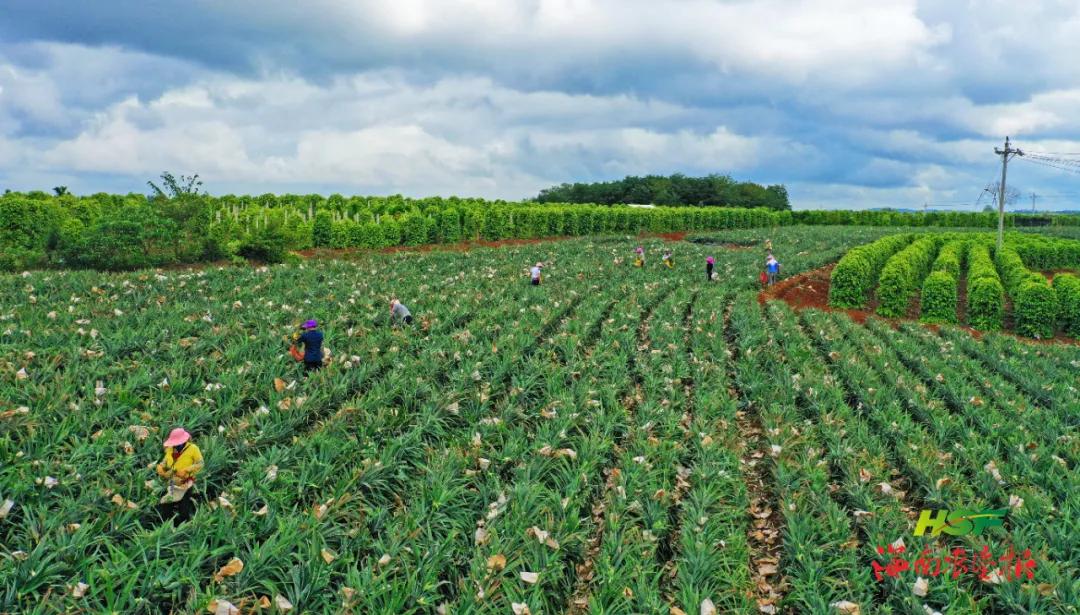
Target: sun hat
710, 260
311, 324
177, 437
540, 265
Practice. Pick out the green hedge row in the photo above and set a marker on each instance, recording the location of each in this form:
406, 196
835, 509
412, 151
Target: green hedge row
985, 293
939, 290
857, 272
951, 257
451, 225
1034, 301
903, 274
944, 219
1067, 287
1046, 253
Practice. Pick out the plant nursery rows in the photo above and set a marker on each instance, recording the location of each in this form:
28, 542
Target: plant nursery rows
615, 440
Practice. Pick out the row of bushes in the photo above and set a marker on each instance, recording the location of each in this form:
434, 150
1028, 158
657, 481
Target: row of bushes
451, 225
950, 219
1046, 253
903, 274
857, 272
136, 233
985, 293
939, 290
1067, 287
1033, 298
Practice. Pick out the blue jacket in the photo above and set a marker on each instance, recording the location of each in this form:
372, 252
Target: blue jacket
312, 341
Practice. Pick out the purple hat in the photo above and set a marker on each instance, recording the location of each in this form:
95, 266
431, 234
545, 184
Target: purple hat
710, 260
311, 324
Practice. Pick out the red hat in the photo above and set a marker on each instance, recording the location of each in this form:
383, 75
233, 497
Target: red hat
177, 437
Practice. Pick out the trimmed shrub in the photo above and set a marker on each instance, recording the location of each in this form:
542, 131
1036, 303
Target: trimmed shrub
939, 296
391, 231
414, 229
342, 234
903, 274
1034, 301
1035, 309
985, 294
268, 243
951, 257
1067, 287
322, 230
857, 272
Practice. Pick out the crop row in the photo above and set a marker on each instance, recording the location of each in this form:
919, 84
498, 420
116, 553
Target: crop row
939, 298
857, 272
986, 295
1033, 298
903, 273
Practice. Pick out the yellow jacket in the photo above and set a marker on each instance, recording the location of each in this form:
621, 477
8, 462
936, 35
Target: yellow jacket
185, 467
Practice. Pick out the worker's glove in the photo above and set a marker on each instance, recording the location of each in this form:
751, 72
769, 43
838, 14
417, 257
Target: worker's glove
162, 472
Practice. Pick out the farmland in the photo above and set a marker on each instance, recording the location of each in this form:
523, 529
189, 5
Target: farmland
613, 441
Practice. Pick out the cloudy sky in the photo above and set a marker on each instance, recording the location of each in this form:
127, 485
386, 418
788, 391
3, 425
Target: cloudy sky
851, 103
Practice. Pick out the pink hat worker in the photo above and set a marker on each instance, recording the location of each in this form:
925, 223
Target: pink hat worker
177, 437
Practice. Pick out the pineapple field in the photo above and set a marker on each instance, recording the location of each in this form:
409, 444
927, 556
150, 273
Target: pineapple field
615, 440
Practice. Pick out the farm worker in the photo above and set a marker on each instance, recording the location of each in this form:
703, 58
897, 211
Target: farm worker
312, 340
183, 460
772, 268
710, 262
640, 260
768, 246
535, 273
667, 259
399, 313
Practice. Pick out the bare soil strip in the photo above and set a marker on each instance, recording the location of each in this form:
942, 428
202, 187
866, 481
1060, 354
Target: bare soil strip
764, 536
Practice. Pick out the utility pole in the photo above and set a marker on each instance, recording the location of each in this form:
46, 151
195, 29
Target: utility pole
1005, 154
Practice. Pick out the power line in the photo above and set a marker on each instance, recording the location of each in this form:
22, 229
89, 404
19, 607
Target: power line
1067, 169
1063, 161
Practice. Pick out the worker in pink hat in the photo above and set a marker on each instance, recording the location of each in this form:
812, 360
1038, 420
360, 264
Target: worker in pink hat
183, 460
710, 262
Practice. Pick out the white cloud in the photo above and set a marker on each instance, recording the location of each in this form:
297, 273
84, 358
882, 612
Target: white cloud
376, 132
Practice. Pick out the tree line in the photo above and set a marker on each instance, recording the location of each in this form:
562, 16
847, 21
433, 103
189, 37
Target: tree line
676, 190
